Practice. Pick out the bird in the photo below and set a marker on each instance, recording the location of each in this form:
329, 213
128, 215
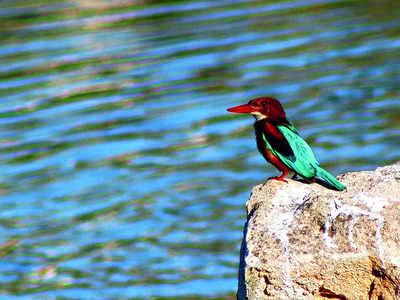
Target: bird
281, 145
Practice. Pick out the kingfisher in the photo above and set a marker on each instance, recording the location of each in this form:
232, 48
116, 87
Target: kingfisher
280, 143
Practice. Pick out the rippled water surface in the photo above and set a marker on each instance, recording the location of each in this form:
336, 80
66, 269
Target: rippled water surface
123, 176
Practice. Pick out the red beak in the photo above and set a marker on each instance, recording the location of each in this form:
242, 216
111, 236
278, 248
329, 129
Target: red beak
243, 109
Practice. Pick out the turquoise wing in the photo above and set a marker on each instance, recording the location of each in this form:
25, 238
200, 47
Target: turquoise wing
303, 161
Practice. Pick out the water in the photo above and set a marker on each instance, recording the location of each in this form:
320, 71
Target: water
123, 176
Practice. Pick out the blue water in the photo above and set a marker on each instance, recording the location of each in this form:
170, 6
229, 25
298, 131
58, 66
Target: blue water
123, 176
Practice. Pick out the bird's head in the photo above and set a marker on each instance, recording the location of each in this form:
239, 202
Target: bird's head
262, 108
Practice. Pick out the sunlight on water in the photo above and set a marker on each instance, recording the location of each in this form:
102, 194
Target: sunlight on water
123, 176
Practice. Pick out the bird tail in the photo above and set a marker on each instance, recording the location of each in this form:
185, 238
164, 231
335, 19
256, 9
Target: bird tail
328, 178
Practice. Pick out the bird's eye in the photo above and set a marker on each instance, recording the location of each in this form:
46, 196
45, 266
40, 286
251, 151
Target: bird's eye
264, 103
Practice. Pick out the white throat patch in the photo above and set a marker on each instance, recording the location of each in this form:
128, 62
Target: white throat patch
258, 115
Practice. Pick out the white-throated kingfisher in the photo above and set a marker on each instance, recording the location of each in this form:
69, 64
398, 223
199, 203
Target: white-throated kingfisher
280, 143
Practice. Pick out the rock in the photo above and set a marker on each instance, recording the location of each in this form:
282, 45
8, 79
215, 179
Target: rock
304, 241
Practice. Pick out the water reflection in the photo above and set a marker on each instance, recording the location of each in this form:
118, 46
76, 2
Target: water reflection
123, 176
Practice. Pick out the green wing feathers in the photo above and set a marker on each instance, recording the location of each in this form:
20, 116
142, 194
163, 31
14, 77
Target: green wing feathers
304, 162
327, 177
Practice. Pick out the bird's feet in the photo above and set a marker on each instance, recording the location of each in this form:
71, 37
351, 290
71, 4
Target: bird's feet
278, 178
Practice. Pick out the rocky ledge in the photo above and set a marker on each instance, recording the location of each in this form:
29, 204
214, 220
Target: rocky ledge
304, 241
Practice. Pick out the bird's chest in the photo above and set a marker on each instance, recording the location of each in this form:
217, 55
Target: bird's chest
261, 144
264, 149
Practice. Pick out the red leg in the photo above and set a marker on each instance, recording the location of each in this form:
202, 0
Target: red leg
279, 165
282, 177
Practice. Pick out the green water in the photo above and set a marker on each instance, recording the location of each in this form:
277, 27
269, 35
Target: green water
123, 176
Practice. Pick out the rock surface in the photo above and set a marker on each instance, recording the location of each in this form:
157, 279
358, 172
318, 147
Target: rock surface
304, 241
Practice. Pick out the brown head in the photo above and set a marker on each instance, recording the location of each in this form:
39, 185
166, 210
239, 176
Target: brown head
262, 108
